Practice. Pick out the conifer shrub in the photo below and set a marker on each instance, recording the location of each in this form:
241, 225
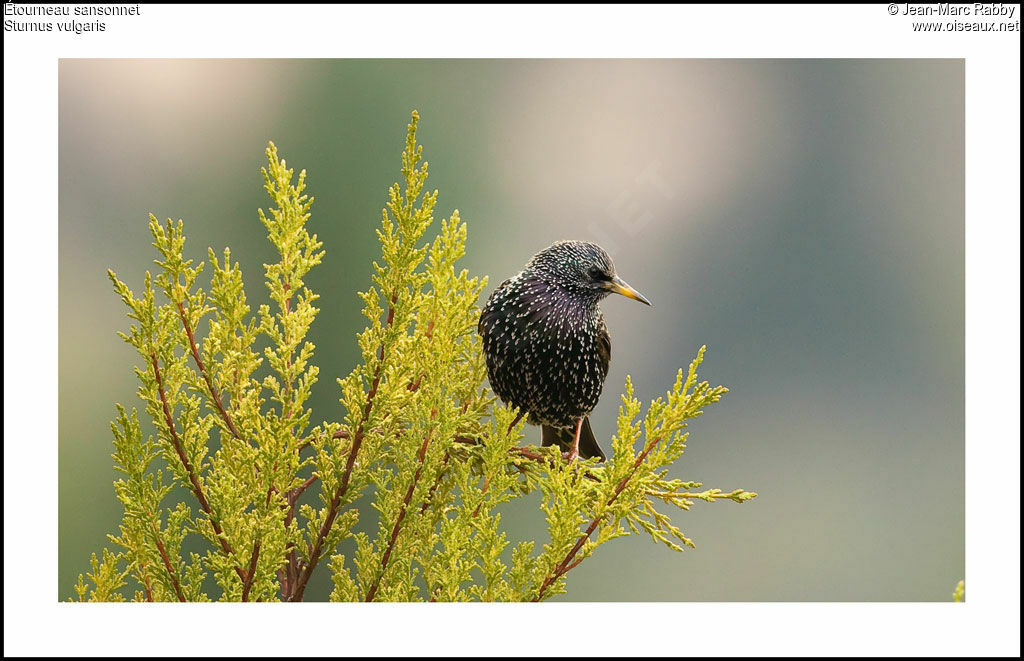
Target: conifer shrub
418, 436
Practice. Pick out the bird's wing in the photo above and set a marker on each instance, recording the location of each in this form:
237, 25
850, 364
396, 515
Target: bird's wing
489, 311
604, 346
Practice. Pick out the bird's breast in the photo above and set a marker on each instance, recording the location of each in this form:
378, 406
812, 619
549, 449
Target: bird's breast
541, 348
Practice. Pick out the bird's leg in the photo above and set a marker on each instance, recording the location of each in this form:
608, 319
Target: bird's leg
516, 421
576, 442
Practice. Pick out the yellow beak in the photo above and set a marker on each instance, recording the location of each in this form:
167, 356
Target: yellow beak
619, 286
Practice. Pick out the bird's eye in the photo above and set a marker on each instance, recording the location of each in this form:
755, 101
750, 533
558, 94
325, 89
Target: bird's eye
596, 273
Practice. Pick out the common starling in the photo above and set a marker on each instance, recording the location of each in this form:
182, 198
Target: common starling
546, 343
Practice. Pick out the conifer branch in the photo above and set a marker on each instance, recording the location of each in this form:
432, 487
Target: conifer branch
357, 441
251, 574
287, 575
437, 483
567, 563
214, 395
483, 490
145, 582
289, 382
421, 459
524, 452
297, 491
193, 478
340, 434
167, 563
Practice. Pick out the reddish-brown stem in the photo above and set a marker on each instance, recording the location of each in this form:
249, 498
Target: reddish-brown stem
287, 575
214, 395
487, 483
338, 435
386, 558
167, 563
193, 478
567, 563
519, 416
251, 574
145, 582
522, 452
533, 456
357, 440
285, 412
297, 491
529, 454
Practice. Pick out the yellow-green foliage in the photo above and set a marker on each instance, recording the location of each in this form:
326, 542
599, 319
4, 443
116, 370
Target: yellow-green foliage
421, 435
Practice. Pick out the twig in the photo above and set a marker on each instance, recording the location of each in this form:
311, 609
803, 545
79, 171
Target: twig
421, 457
738, 496
522, 452
297, 491
167, 563
145, 582
335, 505
286, 576
285, 412
567, 563
214, 395
287, 287
340, 434
436, 484
529, 454
197, 490
252, 569
487, 483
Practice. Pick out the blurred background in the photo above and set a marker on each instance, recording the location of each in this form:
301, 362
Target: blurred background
802, 218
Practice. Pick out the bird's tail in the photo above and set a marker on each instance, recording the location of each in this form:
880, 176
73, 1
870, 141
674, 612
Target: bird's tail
564, 437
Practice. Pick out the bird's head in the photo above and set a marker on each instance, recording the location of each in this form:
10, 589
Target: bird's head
584, 269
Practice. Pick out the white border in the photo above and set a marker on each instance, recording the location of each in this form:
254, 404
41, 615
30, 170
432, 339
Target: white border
987, 625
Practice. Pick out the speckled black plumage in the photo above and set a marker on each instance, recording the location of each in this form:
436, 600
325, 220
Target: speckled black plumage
545, 340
